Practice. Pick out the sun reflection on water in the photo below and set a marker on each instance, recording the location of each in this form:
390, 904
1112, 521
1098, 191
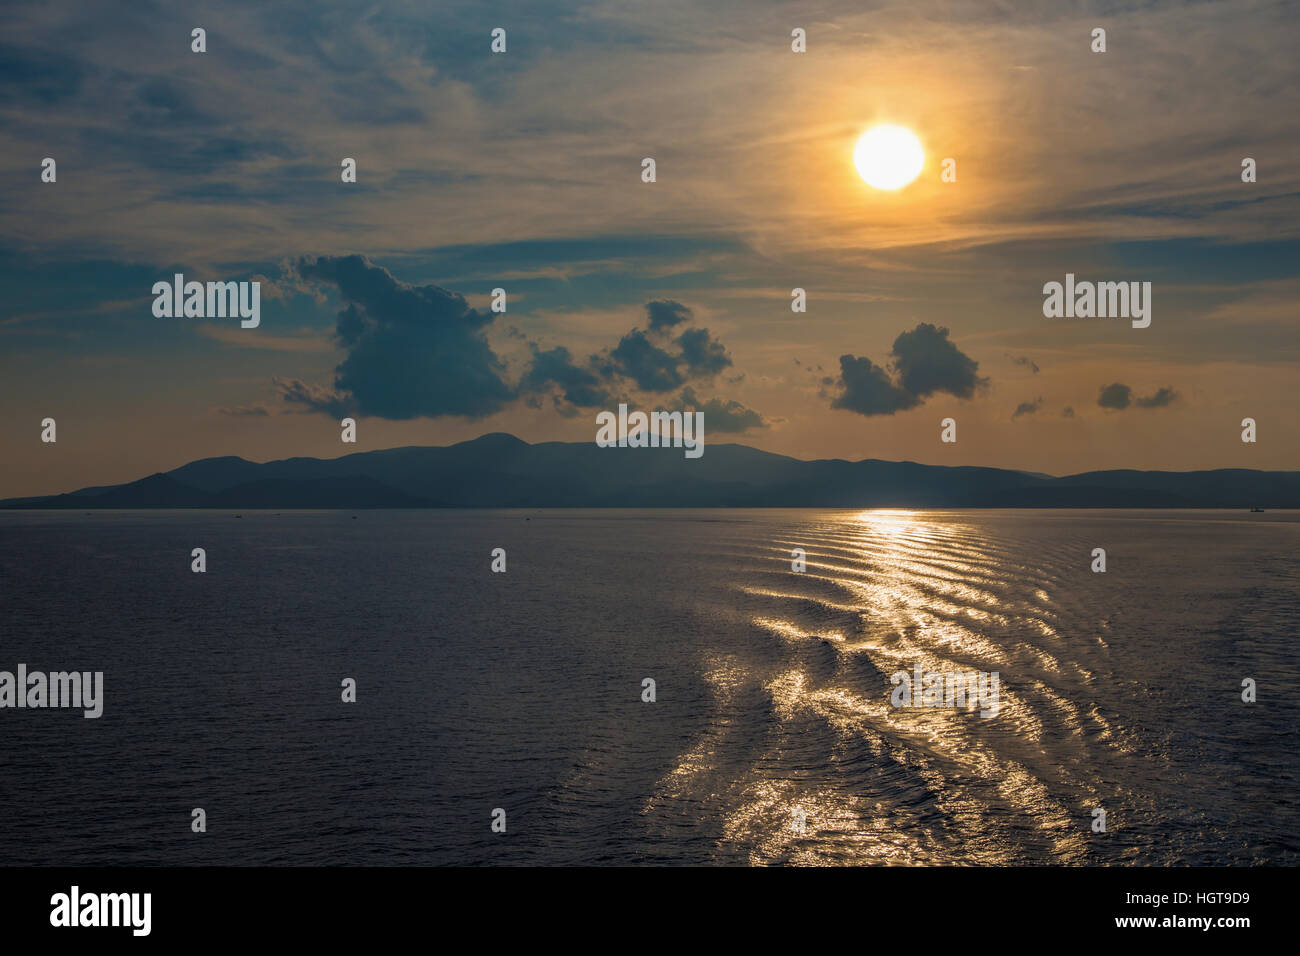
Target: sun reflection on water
885, 590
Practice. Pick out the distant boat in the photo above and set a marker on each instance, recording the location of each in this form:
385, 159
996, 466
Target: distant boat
1256, 511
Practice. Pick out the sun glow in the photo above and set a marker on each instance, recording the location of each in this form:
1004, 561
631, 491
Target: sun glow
888, 157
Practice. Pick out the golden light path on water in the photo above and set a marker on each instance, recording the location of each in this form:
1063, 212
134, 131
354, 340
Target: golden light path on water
843, 775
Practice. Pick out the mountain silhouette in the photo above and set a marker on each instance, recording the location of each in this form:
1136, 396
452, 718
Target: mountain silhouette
500, 471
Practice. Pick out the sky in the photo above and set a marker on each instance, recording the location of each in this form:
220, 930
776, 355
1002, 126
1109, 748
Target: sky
522, 170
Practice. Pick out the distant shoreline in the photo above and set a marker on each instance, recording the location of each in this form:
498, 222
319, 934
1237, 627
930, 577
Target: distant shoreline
570, 508
500, 471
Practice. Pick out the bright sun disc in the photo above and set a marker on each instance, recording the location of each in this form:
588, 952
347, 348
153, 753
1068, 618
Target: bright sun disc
888, 157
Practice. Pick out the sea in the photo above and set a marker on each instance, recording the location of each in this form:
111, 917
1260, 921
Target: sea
653, 687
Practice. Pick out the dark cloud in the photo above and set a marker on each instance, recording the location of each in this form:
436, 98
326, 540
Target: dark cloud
1027, 408
578, 386
1159, 400
413, 351
167, 104
36, 75
651, 367
314, 397
665, 313
646, 364
867, 389
729, 417
702, 354
1115, 396
421, 351
1067, 411
1119, 396
925, 362
178, 156
1025, 361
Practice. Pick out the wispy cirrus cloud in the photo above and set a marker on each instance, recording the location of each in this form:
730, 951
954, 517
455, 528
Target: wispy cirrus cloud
207, 130
302, 340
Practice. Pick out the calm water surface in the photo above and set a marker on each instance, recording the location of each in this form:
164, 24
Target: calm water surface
523, 690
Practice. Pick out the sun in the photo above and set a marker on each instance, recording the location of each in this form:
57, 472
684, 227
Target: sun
888, 157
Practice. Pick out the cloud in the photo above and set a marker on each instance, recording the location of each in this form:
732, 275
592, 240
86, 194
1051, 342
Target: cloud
641, 358
1067, 411
1115, 396
867, 390
1027, 408
244, 411
1119, 397
413, 351
165, 103
578, 386
305, 340
337, 72
729, 417
665, 313
1024, 360
34, 75
315, 397
650, 367
702, 354
1160, 399
287, 284
925, 362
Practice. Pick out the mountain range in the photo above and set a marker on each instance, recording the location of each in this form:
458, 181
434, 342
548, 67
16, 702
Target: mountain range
500, 471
